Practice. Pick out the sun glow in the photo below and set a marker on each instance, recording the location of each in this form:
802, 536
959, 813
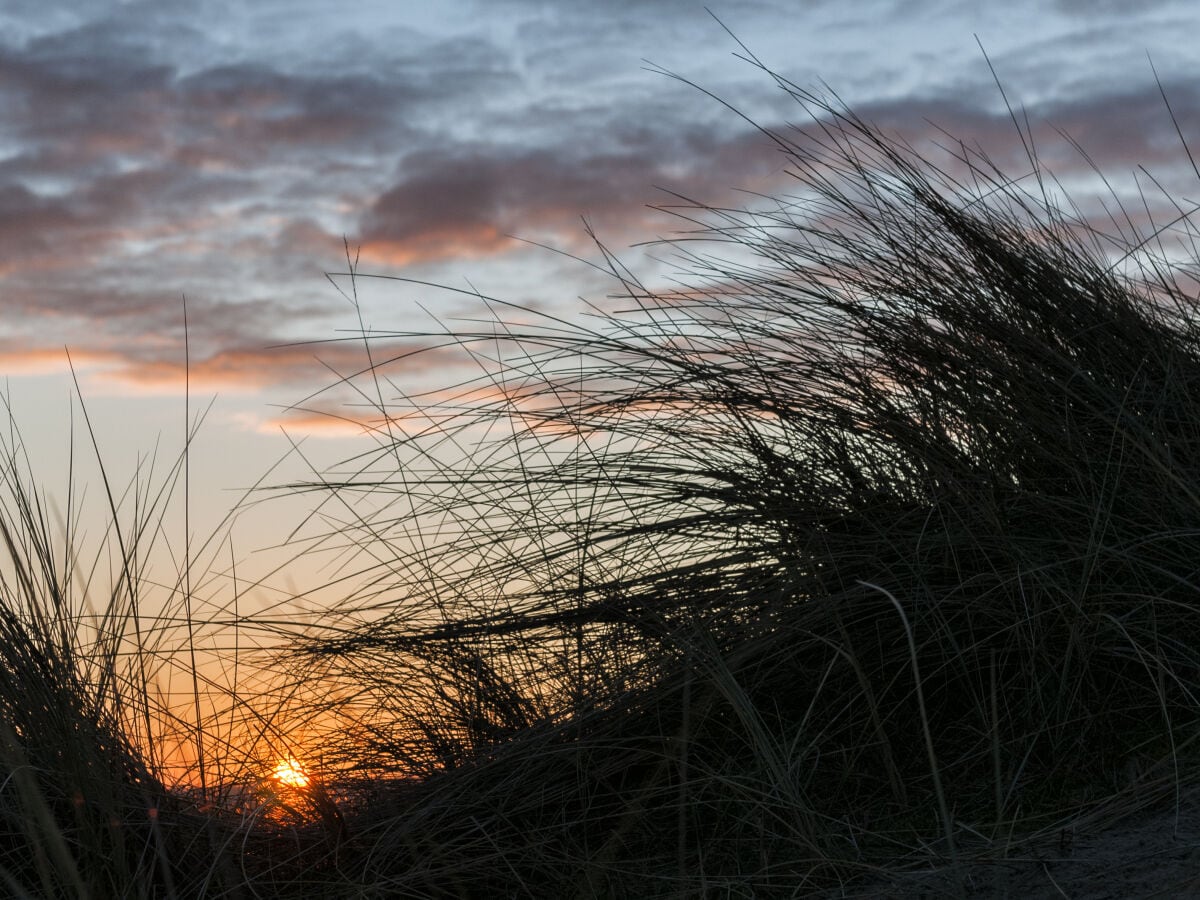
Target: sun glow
291, 774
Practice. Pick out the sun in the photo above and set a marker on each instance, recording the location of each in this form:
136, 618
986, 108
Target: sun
291, 774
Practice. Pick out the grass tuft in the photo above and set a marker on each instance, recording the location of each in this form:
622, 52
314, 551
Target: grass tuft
872, 545
873, 542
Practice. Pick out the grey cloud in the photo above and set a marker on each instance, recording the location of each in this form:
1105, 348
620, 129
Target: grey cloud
607, 169
149, 156
1112, 7
446, 200
124, 170
103, 87
1118, 130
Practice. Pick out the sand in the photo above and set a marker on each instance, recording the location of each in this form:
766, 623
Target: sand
1150, 851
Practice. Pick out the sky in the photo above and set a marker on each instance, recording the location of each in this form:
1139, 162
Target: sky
220, 156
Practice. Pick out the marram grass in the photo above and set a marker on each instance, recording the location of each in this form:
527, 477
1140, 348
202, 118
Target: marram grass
874, 546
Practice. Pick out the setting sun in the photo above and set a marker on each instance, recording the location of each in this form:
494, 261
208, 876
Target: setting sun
291, 773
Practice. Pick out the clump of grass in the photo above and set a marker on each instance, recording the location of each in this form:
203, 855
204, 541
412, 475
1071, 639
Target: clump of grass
83, 809
872, 545
97, 799
875, 542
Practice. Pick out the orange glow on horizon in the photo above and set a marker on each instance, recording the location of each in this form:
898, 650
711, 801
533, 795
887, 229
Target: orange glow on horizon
291, 774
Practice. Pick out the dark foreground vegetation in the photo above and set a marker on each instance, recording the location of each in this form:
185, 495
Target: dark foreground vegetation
876, 546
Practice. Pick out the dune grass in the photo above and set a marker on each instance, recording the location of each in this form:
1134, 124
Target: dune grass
874, 542
872, 545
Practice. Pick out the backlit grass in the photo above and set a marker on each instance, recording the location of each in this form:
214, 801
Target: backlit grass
874, 545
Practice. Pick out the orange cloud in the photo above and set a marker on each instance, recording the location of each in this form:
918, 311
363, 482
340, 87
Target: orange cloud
314, 423
425, 413
466, 242
53, 360
247, 370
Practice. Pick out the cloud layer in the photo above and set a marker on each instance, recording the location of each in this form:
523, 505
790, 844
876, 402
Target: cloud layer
153, 151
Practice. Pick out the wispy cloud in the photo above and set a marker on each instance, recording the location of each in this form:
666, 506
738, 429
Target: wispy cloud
150, 151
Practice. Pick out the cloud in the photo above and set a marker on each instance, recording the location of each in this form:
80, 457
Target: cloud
463, 203
1114, 131
319, 425
150, 154
1108, 7
143, 159
20, 359
341, 413
467, 204
249, 368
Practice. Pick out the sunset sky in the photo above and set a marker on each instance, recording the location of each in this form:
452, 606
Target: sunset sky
222, 151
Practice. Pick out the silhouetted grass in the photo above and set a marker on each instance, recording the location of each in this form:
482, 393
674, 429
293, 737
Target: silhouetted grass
873, 546
875, 543
101, 795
